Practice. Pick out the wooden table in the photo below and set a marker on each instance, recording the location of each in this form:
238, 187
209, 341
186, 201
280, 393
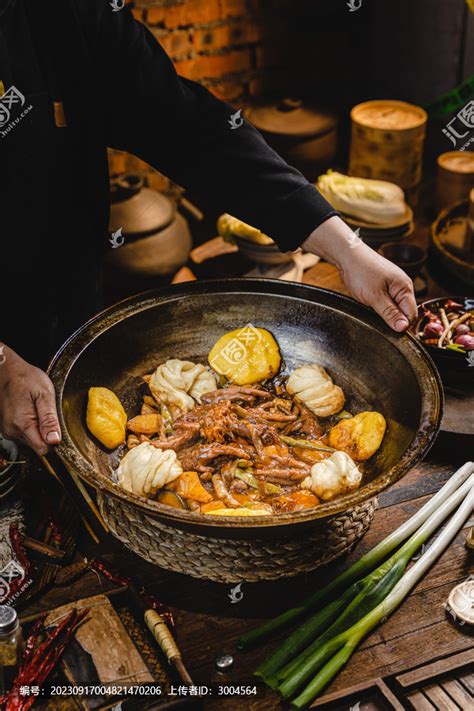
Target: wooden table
208, 623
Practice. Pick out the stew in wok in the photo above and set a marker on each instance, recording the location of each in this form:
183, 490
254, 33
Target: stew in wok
238, 437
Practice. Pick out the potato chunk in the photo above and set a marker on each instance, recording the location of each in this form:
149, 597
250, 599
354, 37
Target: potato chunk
145, 424
360, 436
106, 418
246, 355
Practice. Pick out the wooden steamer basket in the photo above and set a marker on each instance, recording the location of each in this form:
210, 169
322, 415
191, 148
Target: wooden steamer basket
455, 178
387, 142
377, 368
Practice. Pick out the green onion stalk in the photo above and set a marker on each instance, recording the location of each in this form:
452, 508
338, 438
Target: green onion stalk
306, 444
373, 590
358, 570
336, 652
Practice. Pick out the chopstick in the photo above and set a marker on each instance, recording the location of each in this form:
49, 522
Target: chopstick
79, 485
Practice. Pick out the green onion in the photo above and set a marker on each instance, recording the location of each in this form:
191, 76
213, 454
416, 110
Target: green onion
359, 569
374, 589
455, 347
305, 444
331, 656
359, 599
344, 415
250, 480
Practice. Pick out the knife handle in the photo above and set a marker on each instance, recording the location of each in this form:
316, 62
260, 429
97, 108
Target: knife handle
163, 636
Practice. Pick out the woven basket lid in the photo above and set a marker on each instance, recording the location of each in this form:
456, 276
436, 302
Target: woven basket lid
291, 117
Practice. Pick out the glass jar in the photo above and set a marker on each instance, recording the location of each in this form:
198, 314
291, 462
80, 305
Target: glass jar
11, 642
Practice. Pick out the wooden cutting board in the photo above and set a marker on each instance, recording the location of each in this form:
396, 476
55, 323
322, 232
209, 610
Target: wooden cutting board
103, 638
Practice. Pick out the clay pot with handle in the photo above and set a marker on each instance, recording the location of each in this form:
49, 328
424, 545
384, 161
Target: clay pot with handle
148, 235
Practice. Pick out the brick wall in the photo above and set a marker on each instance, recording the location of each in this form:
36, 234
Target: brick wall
237, 48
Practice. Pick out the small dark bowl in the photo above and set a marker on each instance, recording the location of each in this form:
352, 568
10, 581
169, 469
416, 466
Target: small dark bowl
408, 257
449, 363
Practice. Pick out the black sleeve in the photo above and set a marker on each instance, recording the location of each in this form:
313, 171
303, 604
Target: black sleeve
182, 130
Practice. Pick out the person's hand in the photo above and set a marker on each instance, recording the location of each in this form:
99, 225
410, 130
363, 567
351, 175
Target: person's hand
369, 277
27, 403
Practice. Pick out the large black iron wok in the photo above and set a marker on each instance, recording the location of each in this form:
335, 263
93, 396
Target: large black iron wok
377, 369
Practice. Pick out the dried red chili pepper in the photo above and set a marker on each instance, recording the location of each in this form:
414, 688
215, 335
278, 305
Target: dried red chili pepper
39, 661
20, 553
451, 305
57, 531
149, 600
32, 639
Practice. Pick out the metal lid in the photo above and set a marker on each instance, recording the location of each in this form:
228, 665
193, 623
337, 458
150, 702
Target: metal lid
138, 210
8, 619
291, 117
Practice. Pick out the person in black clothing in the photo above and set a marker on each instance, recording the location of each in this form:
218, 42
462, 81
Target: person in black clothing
77, 77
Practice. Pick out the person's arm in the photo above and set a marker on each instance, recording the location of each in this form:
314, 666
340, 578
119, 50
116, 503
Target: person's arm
184, 131
27, 403
369, 277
